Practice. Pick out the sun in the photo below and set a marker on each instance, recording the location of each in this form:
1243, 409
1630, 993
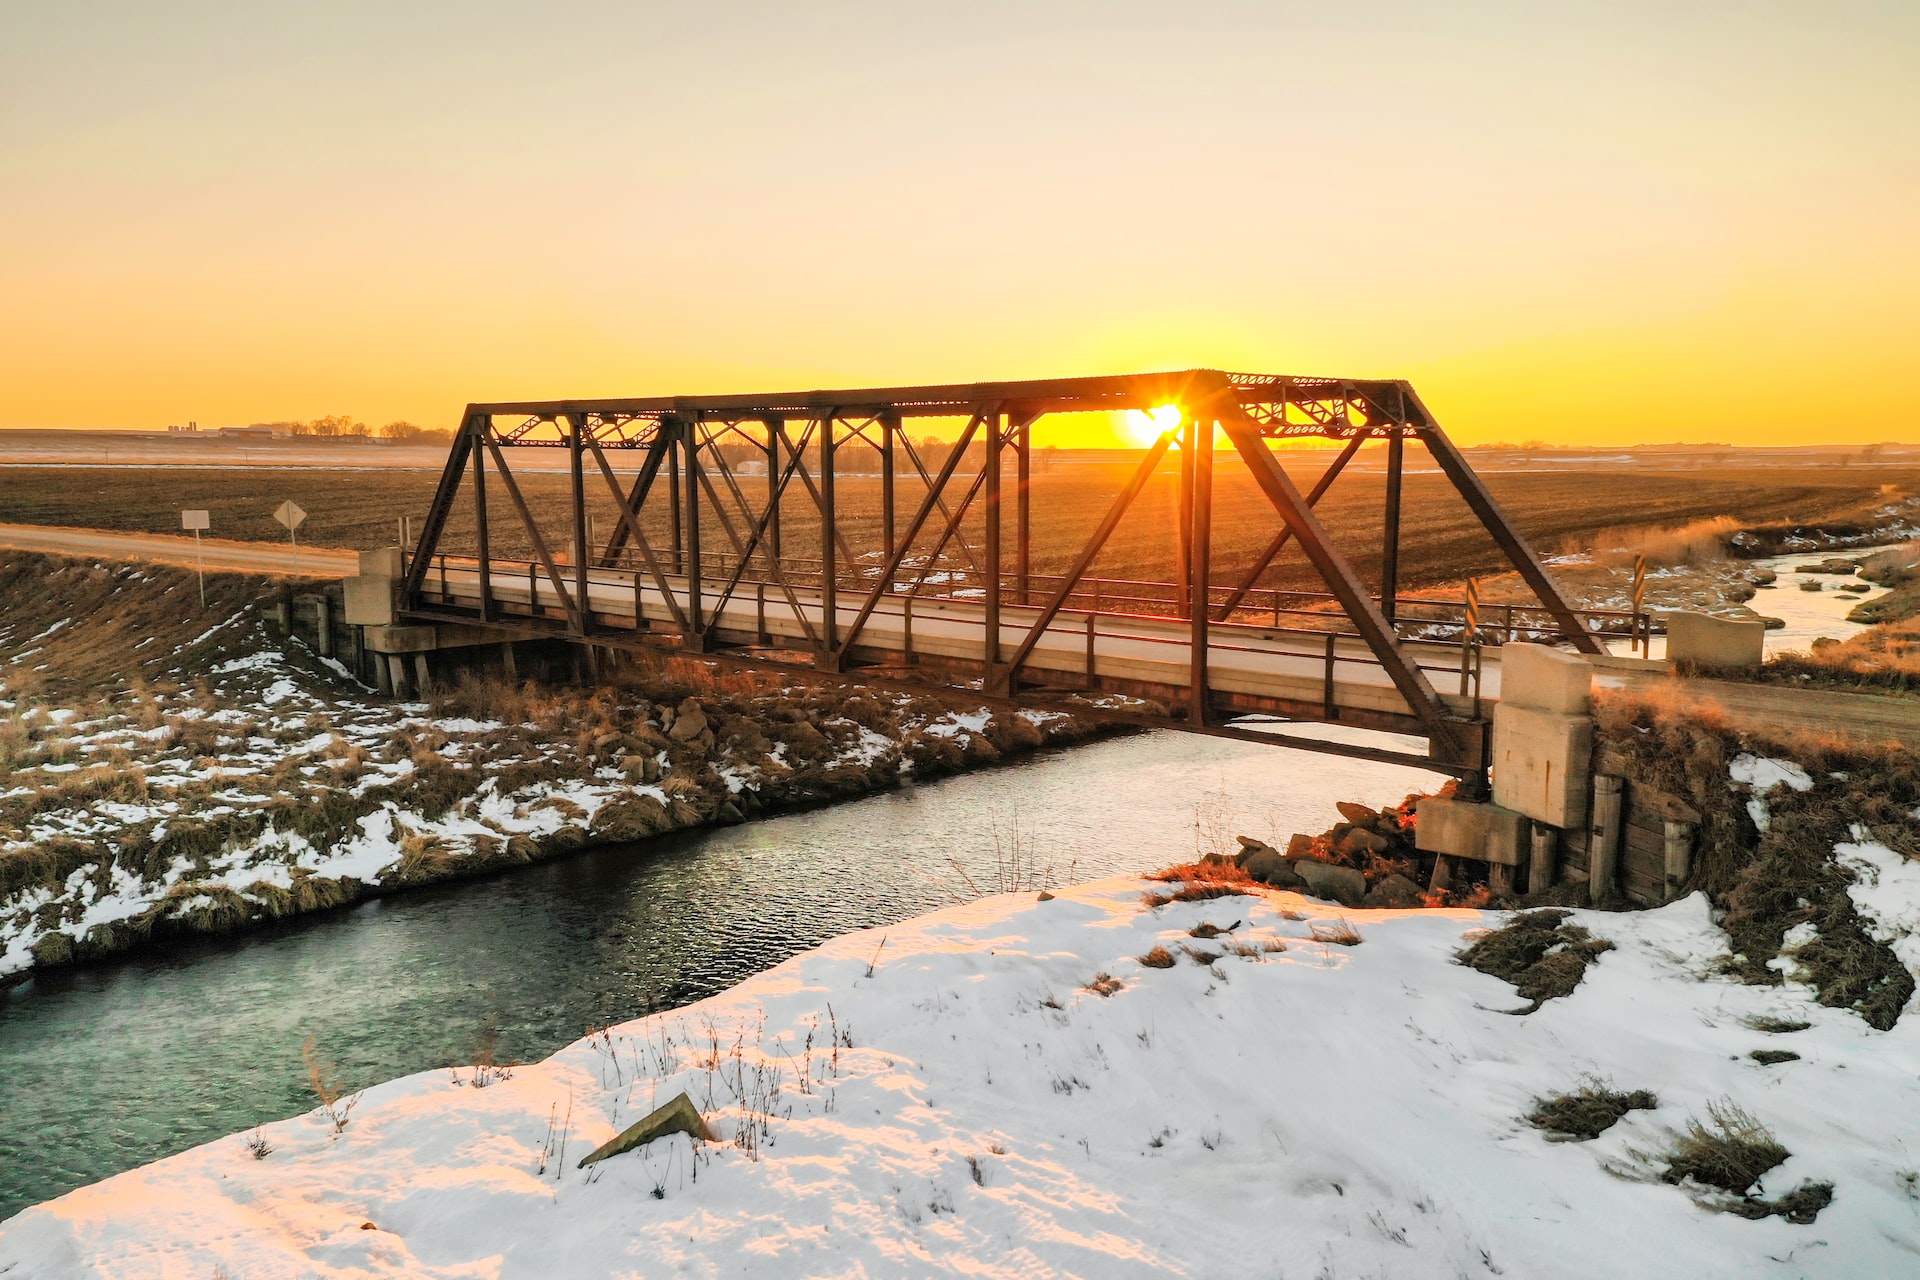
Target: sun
1147, 426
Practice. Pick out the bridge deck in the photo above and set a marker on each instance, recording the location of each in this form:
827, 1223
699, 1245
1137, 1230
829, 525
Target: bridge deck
1314, 674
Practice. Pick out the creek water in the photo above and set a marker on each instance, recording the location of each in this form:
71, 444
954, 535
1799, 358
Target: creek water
106, 1068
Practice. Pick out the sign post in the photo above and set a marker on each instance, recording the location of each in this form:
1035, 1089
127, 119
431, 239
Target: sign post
290, 515
197, 521
1470, 632
1639, 595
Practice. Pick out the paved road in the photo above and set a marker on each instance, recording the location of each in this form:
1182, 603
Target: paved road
214, 553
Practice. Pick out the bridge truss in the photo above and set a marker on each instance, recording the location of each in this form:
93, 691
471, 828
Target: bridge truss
712, 524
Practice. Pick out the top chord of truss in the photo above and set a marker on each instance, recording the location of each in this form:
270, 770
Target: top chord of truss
1281, 405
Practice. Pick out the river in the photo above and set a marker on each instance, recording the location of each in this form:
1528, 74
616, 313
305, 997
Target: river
109, 1067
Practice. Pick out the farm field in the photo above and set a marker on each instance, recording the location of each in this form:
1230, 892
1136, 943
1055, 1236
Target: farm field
1558, 509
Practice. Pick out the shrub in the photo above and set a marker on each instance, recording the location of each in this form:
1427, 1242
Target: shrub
1103, 984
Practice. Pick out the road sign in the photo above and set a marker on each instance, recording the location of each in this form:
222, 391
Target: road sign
290, 515
1473, 605
197, 521
1639, 581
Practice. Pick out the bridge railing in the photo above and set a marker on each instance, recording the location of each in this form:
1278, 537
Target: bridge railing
1444, 660
1415, 618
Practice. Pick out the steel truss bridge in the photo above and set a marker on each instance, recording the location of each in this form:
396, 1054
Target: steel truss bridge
701, 501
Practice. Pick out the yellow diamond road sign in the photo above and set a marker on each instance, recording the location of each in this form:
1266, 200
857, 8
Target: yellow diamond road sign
290, 515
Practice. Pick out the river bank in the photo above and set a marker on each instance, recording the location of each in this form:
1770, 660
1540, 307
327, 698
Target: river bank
1089, 1085
168, 771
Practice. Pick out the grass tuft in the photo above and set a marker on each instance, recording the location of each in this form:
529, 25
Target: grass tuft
1730, 1152
1542, 955
1588, 1111
1158, 958
1337, 933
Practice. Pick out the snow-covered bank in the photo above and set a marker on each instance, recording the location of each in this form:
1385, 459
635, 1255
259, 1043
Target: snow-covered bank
167, 770
948, 1097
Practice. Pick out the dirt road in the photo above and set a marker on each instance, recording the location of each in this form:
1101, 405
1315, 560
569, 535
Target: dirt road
1861, 717
213, 553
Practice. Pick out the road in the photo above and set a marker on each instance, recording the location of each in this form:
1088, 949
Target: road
160, 548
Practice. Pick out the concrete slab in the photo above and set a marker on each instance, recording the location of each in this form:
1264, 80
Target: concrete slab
1541, 763
1464, 829
370, 600
1715, 642
381, 562
1545, 679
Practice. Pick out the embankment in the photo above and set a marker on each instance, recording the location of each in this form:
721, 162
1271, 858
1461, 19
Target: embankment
169, 770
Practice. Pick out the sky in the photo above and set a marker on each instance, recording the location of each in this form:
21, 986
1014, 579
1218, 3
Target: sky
1576, 223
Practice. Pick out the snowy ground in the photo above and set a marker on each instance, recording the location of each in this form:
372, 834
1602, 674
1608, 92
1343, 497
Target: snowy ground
946, 1098
243, 779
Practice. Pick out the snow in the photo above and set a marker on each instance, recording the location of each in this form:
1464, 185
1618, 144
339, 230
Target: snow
955, 1103
1763, 774
1886, 891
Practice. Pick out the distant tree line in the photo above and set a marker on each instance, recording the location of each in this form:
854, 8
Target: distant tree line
339, 426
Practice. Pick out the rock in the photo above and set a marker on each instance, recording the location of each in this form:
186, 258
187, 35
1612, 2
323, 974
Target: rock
1299, 847
1361, 840
1395, 891
1358, 814
1824, 642
678, 1116
1832, 564
1324, 880
689, 724
1810, 585
1248, 842
1044, 897
1248, 847
1267, 867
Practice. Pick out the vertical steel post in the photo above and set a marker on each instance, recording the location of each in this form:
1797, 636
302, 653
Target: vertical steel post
478, 426
1186, 515
1390, 529
829, 570
1023, 512
774, 465
576, 454
991, 640
889, 427
673, 493
696, 617
1200, 570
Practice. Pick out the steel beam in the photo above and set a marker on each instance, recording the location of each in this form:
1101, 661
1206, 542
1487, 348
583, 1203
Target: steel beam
1390, 525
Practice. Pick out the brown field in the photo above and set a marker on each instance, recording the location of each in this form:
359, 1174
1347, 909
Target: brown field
1557, 509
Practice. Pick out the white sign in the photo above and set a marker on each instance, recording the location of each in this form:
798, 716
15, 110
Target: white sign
289, 514
194, 520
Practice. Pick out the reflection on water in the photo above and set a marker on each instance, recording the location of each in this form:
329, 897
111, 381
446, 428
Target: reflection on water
107, 1068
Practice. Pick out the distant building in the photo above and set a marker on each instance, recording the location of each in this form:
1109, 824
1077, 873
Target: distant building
259, 432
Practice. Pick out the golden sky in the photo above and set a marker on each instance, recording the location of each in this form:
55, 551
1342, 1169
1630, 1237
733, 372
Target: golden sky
1611, 222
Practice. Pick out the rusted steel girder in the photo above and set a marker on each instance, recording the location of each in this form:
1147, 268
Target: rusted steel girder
689, 439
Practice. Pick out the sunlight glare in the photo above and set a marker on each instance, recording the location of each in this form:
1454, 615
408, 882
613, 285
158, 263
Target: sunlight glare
1147, 426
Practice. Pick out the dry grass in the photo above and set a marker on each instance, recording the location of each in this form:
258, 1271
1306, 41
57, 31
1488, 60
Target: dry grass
1542, 955
1200, 881
1588, 1111
1103, 984
1158, 958
1337, 933
1730, 1152
1696, 542
1768, 882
